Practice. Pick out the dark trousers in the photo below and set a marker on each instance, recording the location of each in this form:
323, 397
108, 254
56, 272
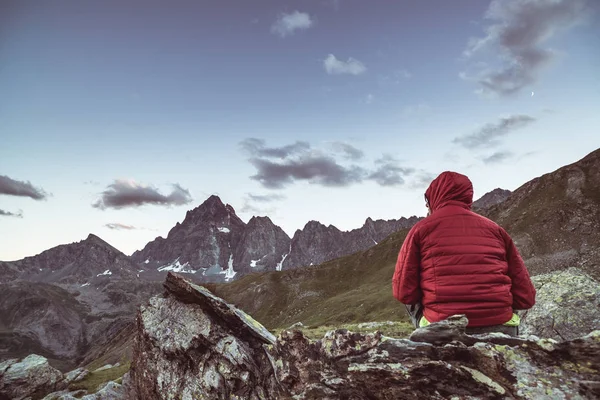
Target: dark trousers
415, 312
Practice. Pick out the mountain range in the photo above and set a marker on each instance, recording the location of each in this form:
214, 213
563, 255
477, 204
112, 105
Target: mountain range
70, 302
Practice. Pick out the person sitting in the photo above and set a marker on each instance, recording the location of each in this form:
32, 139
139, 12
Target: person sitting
455, 261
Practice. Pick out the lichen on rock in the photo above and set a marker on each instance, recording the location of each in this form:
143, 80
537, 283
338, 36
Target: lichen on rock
214, 351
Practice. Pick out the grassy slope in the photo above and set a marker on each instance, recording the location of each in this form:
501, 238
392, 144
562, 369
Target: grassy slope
351, 289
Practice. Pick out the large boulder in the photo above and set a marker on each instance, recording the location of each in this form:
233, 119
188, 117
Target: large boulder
31, 377
567, 306
191, 344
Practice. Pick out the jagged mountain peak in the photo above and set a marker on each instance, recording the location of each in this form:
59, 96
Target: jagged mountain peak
96, 240
256, 220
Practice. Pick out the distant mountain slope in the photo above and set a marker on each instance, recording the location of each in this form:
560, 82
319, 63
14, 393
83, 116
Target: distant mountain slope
490, 199
215, 245
555, 219
353, 288
85, 262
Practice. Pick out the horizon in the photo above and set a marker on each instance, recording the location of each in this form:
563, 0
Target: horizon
117, 118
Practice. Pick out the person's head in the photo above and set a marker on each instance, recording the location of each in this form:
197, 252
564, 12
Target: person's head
427, 205
449, 188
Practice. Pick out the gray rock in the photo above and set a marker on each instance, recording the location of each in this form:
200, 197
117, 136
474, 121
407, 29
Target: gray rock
31, 377
76, 375
567, 306
191, 344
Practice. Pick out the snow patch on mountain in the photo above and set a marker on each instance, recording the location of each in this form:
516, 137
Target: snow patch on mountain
223, 229
229, 272
176, 266
107, 272
280, 263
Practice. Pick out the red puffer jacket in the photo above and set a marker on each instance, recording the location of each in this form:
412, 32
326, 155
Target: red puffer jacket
458, 262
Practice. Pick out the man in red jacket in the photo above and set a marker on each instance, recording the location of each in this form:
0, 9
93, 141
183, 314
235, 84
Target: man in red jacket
458, 262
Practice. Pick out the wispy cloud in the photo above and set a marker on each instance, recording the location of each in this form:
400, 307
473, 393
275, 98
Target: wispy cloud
348, 151
258, 147
422, 180
498, 157
123, 194
12, 187
10, 214
369, 99
516, 35
352, 66
265, 198
488, 135
288, 24
389, 172
118, 226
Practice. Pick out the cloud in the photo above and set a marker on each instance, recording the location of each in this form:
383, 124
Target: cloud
118, 226
317, 169
266, 198
349, 152
123, 194
257, 147
389, 172
516, 34
333, 66
487, 135
11, 187
422, 180
10, 214
369, 99
288, 24
498, 157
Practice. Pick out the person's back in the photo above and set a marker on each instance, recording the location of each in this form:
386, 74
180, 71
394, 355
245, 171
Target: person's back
458, 262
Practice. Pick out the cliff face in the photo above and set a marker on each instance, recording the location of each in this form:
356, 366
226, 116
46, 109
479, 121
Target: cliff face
191, 344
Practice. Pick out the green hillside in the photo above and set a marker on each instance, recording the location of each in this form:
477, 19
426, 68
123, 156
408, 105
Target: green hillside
351, 289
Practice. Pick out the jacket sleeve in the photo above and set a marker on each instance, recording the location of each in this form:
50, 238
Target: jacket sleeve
406, 281
522, 289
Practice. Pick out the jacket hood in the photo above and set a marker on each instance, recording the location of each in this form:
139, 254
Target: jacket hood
450, 188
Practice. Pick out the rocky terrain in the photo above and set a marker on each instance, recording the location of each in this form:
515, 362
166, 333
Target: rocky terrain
555, 219
192, 344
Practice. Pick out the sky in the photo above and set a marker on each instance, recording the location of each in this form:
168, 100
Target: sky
116, 117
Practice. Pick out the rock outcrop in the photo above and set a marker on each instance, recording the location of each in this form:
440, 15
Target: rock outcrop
191, 344
31, 377
567, 306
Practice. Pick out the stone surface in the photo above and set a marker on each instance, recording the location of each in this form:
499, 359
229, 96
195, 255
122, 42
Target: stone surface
567, 306
31, 377
76, 375
191, 344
